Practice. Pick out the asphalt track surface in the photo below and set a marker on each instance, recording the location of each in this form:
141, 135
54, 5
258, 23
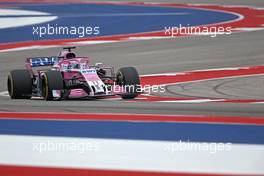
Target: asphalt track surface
161, 56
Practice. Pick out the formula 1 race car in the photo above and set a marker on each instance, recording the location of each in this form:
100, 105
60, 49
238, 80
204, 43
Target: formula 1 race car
68, 76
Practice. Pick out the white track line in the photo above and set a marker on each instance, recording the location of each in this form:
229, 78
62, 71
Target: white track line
29, 48
193, 101
92, 42
4, 94
249, 29
138, 155
10, 22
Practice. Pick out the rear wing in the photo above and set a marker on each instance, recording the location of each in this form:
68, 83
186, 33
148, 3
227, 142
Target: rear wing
42, 61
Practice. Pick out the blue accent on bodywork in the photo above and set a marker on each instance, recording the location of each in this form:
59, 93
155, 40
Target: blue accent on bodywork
42, 61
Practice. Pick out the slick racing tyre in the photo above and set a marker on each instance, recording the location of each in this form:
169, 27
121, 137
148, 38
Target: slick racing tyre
51, 80
19, 84
129, 78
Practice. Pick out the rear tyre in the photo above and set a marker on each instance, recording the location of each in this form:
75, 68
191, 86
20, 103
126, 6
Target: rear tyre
128, 77
51, 80
19, 84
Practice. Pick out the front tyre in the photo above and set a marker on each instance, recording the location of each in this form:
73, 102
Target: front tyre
128, 77
19, 84
51, 80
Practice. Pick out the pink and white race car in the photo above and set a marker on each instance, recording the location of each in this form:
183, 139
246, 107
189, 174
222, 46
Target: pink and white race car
68, 76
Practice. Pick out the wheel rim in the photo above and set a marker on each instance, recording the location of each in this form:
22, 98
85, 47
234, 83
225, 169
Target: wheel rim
120, 79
